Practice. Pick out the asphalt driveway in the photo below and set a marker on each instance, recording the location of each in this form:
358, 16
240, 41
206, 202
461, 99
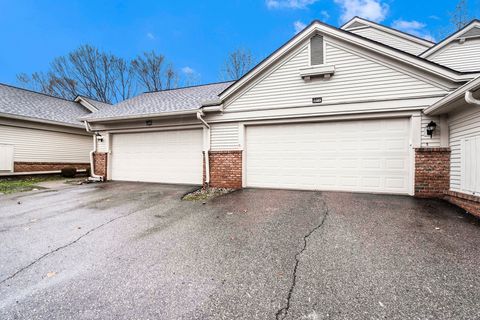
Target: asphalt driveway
135, 251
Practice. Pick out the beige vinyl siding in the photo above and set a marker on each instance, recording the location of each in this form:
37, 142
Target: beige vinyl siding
391, 40
224, 136
462, 125
34, 145
461, 57
434, 141
356, 79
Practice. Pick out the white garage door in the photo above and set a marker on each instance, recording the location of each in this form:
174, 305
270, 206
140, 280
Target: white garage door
359, 156
164, 156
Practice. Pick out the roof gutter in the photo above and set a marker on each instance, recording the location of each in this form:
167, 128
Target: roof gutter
470, 99
206, 148
142, 116
93, 176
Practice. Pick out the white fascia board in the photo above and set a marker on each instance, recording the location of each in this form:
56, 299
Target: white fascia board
388, 30
453, 37
317, 27
85, 103
442, 105
143, 116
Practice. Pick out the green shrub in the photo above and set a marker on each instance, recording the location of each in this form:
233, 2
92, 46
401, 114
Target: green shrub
69, 172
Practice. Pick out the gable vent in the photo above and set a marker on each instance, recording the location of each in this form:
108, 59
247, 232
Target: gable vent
475, 32
316, 50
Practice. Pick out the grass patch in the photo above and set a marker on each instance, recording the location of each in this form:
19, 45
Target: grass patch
20, 184
206, 194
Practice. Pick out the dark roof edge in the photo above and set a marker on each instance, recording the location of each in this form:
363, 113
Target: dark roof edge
40, 120
192, 86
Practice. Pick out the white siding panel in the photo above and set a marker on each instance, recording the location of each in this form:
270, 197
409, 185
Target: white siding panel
6, 157
461, 57
225, 136
391, 40
33, 145
356, 79
465, 124
433, 141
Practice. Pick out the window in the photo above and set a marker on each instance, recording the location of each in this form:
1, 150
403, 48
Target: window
316, 50
471, 164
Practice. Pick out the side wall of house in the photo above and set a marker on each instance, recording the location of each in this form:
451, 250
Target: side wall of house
38, 147
459, 56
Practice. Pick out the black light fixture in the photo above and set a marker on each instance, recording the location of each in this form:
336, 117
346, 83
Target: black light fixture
99, 137
430, 128
148, 122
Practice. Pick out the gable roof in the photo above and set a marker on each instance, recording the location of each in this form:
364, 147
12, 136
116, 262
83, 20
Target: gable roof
316, 26
165, 102
357, 23
464, 32
29, 105
453, 99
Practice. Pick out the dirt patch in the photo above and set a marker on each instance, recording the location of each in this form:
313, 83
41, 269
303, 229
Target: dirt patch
206, 194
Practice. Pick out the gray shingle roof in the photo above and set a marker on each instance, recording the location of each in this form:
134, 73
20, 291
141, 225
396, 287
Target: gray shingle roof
29, 104
174, 100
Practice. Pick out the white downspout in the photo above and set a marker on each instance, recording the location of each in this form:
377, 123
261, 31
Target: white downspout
93, 176
470, 99
206, 149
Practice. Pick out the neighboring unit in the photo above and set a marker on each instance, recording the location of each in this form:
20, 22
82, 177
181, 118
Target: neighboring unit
332, 109
41, 133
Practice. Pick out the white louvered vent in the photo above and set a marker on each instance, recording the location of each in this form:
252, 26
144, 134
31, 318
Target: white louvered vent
316, 50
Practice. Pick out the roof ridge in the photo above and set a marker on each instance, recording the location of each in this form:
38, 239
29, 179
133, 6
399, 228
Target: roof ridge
33, 91
82, 96
192, 86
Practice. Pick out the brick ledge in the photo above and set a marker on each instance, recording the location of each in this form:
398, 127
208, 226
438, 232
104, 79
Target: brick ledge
464, 196
433, 149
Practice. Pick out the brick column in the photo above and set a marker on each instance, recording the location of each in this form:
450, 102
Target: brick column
432, 172
225, 169
100, 160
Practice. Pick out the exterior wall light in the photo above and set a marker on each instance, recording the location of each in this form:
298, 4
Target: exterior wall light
148, 122
99, 137
430, 128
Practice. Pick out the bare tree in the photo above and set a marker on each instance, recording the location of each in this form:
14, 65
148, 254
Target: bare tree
460, 17
238, 62
153, 72
86, 71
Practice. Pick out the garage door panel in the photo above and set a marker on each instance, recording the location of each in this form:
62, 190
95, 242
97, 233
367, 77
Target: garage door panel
365, 156
164, 156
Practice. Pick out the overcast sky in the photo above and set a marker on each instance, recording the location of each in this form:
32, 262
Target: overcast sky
194, 35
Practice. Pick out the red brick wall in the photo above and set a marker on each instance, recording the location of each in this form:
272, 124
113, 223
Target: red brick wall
432, 172
467, 202
100, 164
46, 166
225, 169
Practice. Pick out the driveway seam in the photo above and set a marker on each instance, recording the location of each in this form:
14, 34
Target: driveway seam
283, 312
63, 247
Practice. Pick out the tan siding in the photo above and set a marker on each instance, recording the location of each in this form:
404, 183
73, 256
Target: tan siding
225, 137
356, 79
33, 145
462, 57
463, 124
391, 40
434, 141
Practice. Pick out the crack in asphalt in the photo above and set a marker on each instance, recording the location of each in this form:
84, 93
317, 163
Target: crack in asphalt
63, 247
283, 312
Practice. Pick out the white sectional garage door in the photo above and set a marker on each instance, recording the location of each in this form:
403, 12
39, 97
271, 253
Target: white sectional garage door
163, 156
358, 156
